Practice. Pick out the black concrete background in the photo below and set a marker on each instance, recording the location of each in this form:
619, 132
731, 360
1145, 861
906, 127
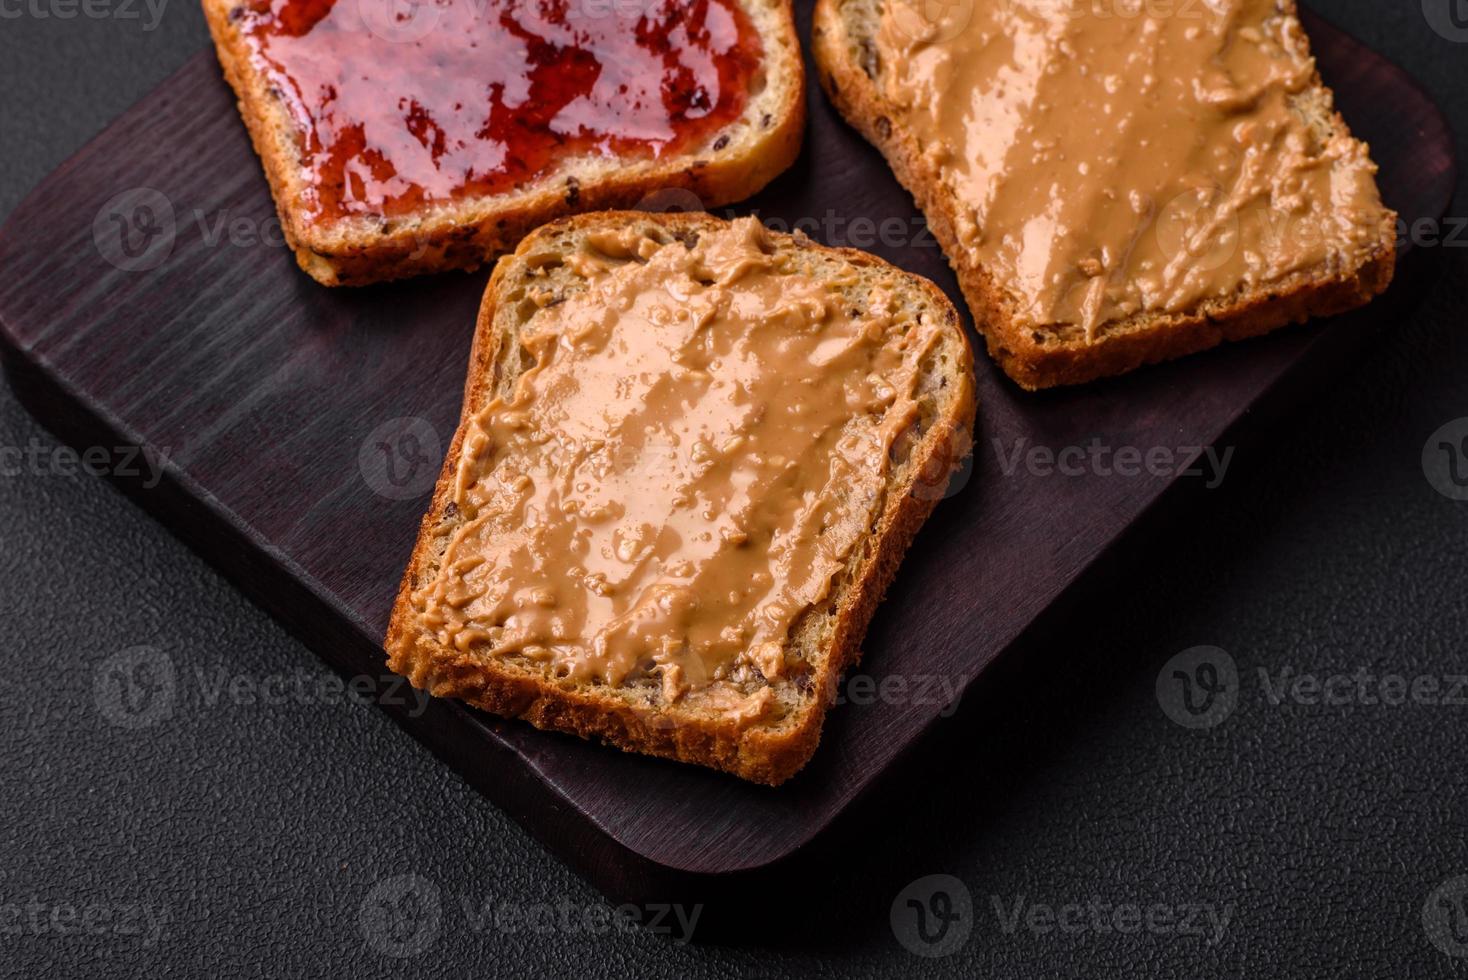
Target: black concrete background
311, 839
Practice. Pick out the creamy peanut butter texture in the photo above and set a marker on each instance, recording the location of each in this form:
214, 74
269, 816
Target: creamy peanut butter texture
700, 443
1116, 157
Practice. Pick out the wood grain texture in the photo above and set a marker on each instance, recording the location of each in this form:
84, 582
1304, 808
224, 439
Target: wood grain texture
262, 388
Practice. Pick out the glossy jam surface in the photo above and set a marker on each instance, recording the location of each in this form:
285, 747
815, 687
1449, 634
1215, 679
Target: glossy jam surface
402, 105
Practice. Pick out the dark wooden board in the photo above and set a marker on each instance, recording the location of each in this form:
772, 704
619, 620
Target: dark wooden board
264, 392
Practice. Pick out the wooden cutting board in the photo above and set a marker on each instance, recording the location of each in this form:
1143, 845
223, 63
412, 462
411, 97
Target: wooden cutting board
147, 300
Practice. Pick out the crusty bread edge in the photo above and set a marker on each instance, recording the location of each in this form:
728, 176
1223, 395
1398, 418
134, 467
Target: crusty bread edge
448, 242
750, 753
1034, 365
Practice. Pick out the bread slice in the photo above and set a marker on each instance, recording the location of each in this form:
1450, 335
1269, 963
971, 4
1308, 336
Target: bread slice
639, 714
1044, 354
462, 232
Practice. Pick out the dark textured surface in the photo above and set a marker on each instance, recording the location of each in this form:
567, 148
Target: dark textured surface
262, 829
265, 392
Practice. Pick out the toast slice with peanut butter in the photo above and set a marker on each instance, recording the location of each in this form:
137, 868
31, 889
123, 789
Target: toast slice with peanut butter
691, 456
1115, 184
402, 139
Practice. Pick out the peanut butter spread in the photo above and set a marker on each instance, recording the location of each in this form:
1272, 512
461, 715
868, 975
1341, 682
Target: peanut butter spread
700, 441
1119, 157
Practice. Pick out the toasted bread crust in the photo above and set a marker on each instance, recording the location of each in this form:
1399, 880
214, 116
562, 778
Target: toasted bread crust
759, 755
467, 234
1038, 361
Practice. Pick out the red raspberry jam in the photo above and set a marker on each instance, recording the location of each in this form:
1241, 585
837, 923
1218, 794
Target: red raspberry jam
401, 105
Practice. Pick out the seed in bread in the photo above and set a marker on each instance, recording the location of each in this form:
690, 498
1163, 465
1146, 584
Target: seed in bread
403, 140
1115, 188
691, 455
